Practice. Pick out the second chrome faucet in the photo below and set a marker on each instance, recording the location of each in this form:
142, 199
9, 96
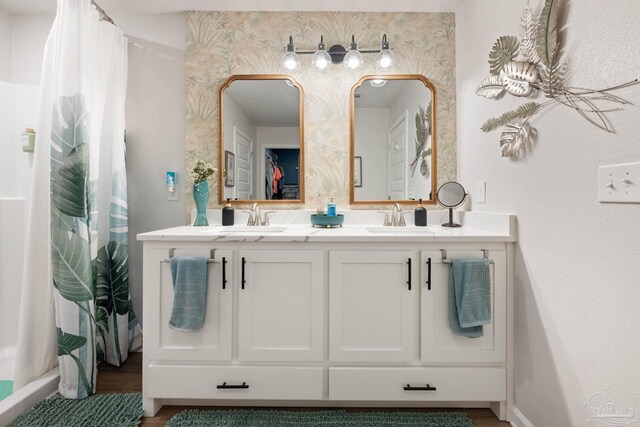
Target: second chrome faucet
255, 218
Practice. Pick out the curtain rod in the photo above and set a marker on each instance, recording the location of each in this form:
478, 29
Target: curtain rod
103, 14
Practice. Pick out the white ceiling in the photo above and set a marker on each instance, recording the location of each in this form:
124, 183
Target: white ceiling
165, 6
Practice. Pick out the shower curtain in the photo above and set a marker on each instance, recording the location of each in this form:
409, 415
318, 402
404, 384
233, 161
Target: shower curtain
77, 254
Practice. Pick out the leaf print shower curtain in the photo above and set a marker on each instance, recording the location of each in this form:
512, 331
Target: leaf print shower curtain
82, 113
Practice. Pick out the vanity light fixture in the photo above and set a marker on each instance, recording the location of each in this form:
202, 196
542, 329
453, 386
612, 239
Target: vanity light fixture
337, 54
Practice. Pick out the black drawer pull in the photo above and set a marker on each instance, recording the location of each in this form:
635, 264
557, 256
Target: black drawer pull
244, 262
408, 387
232, 386
409, 272
429, 274
224, 273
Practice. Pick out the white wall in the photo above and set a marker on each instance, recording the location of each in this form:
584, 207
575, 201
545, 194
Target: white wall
155, 120
577, 261
18, 110
29, 35
271, 136
5, 45
371, 143
234, 117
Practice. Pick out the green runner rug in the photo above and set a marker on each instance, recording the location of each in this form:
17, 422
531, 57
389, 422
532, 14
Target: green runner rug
101, 410
326, 418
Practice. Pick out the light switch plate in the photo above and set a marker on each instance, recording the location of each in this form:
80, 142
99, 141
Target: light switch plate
481, 192
619, 183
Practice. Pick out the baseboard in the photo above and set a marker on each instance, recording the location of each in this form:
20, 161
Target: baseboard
518, 419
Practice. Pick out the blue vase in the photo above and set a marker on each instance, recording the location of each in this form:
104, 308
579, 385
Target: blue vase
201, 197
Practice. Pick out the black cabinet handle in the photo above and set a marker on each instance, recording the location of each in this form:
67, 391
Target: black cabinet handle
244, 262
232, 386
429, 273
409, 271
408, 387
224, 273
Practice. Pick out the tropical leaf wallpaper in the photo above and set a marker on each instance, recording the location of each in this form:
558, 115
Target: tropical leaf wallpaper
221, 44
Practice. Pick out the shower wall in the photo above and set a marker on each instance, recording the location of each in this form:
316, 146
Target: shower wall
18, 111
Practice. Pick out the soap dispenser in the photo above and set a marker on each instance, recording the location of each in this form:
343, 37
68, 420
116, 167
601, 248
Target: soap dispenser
227, 214
421, 215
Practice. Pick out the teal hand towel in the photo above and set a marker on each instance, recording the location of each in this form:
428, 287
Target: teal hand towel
189, 276
469, 296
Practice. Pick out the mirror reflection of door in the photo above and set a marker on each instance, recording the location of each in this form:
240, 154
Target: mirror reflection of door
392, 132
261, 125
398, 158
244, 161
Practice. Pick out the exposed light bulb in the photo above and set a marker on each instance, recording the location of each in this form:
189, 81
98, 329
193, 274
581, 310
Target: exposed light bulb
290, 61
386, 57
378, 82
321, 63
353, 59
289, 58
385, 60
321, 59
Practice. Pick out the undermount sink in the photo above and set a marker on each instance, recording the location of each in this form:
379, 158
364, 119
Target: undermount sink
252, 229
391, 229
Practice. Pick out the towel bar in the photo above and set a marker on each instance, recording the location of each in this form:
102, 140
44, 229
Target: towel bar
211, 260
485, 254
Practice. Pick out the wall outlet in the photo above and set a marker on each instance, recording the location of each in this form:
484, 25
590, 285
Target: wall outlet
481, 192
619, 183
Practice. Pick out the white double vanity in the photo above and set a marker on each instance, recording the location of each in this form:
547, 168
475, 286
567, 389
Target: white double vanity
353, 316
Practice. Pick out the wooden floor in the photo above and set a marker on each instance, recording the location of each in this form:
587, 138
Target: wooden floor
128, 379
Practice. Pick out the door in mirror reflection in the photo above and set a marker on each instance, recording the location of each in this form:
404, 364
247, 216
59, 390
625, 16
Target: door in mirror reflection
261, 132
393, 139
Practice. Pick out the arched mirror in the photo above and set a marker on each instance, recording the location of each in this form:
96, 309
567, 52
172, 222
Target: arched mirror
261, 150
393, 140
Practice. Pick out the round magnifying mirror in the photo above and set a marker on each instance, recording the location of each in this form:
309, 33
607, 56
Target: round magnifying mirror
451, 195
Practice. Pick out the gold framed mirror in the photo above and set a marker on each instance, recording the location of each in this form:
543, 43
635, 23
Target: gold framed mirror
261, 139
393, 149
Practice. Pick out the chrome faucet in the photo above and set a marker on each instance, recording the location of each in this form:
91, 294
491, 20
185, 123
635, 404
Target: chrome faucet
397, 217
255, 219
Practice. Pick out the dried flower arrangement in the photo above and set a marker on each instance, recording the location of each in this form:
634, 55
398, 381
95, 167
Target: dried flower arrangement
538, 69
202, 171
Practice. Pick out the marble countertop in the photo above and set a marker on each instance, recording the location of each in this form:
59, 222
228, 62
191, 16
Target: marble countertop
477, 227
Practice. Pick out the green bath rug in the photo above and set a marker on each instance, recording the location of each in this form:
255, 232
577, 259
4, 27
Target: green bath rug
326, 418
101, 410
6, 388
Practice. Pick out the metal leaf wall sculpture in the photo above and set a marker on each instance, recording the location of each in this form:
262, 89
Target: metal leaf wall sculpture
538, 71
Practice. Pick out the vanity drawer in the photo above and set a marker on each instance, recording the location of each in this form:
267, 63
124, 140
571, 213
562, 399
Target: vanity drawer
459, 384
202, 382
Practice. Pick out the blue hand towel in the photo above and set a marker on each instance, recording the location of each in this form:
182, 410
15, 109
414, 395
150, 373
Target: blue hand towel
189, 275
469, 296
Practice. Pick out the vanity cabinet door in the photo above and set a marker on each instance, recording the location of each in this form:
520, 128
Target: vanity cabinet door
373, 306
438, 342
280, 305
213, 341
